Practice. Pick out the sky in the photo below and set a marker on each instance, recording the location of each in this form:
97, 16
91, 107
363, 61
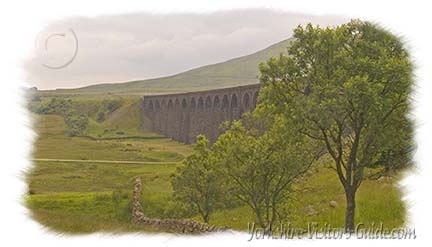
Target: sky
82, 51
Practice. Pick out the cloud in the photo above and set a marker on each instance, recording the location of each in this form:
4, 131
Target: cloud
136, 46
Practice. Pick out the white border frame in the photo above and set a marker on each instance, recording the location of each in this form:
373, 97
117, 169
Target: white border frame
22, 20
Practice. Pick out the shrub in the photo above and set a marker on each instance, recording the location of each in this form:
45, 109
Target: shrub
100, 116
55, 106
76, 123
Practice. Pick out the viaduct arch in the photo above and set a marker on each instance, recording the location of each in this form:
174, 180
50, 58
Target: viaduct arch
183, 116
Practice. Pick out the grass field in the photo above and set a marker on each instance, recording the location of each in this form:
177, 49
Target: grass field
101, 193
85, 197
53, 143
91, 197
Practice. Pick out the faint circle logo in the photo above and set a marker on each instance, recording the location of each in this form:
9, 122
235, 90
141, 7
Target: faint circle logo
63, 57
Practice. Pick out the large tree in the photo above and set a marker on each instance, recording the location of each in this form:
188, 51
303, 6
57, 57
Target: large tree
348, 88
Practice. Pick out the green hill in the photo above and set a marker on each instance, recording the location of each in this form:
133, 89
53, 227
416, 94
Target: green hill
235, 72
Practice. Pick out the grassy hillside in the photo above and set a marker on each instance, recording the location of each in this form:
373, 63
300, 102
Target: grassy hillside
234, 72
53, 143
127, 121
124, 119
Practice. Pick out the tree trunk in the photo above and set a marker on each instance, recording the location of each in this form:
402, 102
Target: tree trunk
350, 210
206, 218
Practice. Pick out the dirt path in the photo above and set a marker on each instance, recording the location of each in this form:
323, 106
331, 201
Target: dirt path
105, 161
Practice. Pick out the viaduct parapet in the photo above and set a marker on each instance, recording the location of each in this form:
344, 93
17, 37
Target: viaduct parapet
183, 116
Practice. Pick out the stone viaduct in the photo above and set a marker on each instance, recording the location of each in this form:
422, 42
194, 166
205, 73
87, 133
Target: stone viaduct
183, 116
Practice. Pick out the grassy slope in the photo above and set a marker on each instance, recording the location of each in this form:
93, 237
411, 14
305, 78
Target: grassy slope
234, 72
89, 197
127, 121
53, 143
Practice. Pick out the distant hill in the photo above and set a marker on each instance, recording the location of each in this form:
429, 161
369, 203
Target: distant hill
235, 72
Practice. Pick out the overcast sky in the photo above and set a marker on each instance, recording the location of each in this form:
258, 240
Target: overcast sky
143, 45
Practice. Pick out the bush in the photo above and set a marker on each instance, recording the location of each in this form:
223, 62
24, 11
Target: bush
76, 114
100, 116
55, 106
106, 108
178, 210
76, 123
153, 207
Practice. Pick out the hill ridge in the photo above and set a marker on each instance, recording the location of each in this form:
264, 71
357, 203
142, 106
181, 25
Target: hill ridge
233, 72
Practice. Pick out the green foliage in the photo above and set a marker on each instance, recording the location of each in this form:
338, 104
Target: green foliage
58, 106
100, 116
260, 168
76, 123
76, 113
197, 181
348, 88
110, 105
174, 209
166, 207
107, 107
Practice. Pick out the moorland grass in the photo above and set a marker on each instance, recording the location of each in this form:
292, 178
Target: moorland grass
85, 197
56, 186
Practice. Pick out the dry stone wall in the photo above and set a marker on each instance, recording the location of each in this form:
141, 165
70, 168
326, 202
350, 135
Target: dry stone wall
166, 225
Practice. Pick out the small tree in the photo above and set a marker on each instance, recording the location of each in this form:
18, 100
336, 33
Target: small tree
76, 123
196, 182
348, 88
260, 167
